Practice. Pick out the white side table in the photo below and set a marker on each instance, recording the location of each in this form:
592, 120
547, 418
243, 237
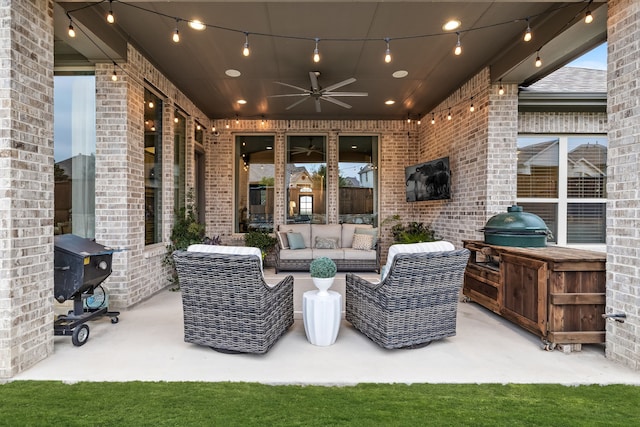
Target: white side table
321, 316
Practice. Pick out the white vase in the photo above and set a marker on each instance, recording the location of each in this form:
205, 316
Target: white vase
323, 284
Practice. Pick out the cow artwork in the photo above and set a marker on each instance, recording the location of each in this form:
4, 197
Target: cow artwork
428, 181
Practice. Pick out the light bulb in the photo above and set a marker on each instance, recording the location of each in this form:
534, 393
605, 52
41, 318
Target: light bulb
213, 128
316, 53
527, 35
110, 18
433, 118
458, 49
538, 61
176, 36
501, 90
387, 54
245, 50
588, 18
472, 108
72, 32
176, 120
150, 104
114, 77
198, 127
449, 114
419, 122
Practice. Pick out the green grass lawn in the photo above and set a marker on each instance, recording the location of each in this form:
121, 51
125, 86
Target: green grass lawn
27, 403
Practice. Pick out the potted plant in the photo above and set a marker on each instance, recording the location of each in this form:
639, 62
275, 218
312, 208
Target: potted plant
260, 239
323, 271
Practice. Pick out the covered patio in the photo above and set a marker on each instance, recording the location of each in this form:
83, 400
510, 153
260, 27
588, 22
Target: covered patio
147, 345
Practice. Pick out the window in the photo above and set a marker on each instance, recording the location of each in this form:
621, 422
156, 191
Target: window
358, 179
74, 152
179, 154
152, 167
563, 180
255, 177
305, 179
198, 172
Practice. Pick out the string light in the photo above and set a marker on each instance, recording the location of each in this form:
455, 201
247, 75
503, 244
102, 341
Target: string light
387, 54
501, 89
471, 107
262, 121
316, 52
538, 60
237, 120
176, 34
110, 18
588, 17
245, 50
419, 121
213, 128
433, 118
408, 118
114, 76
72, 32
151, 104
458, 49
449, 114
527, 34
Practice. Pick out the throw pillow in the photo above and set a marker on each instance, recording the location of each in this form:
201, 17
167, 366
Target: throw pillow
296, 241
373, 232
362, 242
283, 240
326, 242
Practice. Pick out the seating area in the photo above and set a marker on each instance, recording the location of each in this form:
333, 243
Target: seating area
353, 247
229, 307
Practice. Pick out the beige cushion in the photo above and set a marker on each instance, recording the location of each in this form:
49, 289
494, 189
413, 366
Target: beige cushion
412, 248
297, 254
329, 253
373, 232
326, 230
363, 242
304, 229
231, 250
347, 233
358, 254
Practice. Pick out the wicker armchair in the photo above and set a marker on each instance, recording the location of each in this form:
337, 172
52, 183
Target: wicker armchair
228, 306
414, 304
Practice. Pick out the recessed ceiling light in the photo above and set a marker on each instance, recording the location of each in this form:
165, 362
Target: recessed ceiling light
242, 101
354, 147
451, 25
232, 73
197, 25
389, 102
269, 147
400, 74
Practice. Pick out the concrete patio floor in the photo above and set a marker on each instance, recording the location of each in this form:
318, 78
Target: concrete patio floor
147, 345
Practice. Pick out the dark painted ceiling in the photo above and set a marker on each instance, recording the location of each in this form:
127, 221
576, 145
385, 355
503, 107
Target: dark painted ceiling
351, 43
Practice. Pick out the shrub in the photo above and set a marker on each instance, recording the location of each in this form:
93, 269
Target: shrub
323, 268
260, 239
414, 232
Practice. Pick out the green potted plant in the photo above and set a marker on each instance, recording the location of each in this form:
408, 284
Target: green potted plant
260, 239
323, 271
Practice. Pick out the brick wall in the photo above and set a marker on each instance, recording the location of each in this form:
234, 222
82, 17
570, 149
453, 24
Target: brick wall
623, 225
26, 184
397, 141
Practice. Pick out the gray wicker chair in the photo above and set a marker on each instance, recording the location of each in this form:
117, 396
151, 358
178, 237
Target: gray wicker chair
228, 306
414, 304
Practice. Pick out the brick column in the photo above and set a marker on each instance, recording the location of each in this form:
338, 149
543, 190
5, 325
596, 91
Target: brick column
26, 184
623, 175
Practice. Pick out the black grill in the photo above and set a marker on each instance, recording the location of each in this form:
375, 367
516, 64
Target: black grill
80, 266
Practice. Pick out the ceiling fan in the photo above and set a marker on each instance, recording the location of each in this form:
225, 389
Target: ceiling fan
317, 93
306, 150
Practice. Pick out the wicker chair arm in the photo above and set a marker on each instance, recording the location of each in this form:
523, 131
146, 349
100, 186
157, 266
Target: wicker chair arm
358, 282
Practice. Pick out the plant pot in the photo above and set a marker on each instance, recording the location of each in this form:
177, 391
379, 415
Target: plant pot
323, 284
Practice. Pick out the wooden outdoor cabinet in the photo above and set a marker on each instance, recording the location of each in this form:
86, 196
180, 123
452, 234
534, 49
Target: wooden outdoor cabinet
556, 293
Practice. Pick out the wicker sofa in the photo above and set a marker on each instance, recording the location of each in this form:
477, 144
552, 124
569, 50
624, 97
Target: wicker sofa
317, 241
415, 303
226, 303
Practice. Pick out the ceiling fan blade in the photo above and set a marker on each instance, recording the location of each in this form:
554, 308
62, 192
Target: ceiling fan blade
296, 103
288, 94
314, 80
339, 84
318, 108
293, 87
335, 101
345, 94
